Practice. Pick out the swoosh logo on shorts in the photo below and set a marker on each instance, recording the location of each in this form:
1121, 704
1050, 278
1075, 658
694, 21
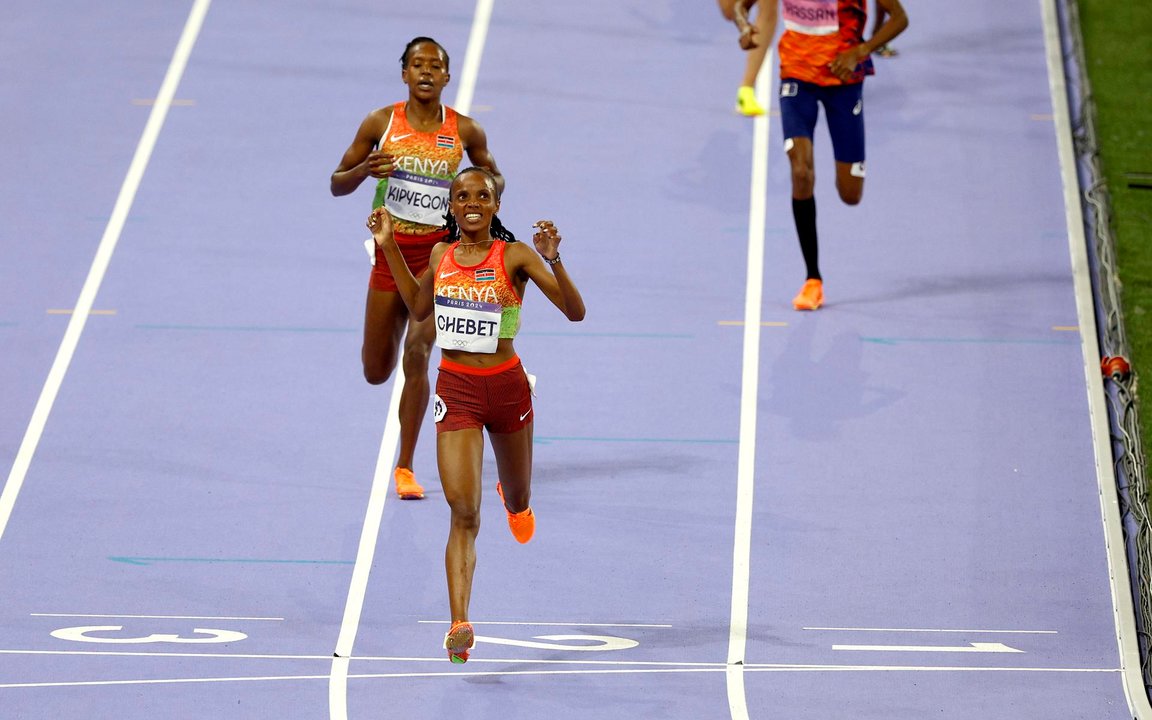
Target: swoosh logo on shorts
526, 414
448, 274
398, 138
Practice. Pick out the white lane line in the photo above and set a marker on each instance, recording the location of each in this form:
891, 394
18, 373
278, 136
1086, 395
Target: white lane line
104, 250
154, 617
542, 661
549, 624
1115, 547
746, 466
456, 674
471, 70
976, 647
934, 630
135, 653
372, 518
349, 625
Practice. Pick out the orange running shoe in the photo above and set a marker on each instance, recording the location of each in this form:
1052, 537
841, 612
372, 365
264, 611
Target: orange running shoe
459, 640
810, 297
406, 486
522, 524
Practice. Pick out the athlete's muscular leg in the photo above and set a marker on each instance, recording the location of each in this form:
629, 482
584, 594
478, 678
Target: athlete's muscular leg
460, 456
800, 156
802, 160
414, 398
384, 318
850, 187
514, 464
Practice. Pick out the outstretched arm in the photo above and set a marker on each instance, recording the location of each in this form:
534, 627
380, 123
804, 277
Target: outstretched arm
416, 294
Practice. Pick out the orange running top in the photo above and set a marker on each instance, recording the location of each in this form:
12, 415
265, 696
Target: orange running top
475, 304
815, 32
416, 194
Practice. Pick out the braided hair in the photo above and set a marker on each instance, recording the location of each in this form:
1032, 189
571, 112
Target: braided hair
497, 230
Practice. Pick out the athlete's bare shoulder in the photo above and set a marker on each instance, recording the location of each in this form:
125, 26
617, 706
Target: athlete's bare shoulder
469, 129
379, 117
438, 251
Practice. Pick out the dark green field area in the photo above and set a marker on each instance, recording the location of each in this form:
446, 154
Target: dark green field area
1118, 47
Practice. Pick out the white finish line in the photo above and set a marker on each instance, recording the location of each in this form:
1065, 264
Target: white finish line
970, 648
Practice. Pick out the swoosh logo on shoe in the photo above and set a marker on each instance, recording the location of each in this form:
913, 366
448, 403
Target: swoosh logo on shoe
449, 274
398, 138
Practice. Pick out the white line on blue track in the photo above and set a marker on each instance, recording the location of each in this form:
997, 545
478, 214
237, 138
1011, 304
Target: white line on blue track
354, 606
750, 383
100, 262
933, 630
559, 624
1120, 581
456, 674
155, 617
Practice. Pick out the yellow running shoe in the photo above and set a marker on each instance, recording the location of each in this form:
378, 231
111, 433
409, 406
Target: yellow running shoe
522, 524
746, 102
810, 297
459, 640
406, 486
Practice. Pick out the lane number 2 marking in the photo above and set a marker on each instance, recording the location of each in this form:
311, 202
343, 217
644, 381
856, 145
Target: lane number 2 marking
598, 642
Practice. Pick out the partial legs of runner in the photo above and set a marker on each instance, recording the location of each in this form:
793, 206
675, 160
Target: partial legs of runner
514, 464
414, 398
385, 319
460, 457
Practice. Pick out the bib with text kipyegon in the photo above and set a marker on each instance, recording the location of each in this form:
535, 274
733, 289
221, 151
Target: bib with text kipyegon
812, 17
467, 325
417, 198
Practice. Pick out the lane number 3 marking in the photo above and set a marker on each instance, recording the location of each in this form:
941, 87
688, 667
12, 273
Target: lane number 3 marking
83, 634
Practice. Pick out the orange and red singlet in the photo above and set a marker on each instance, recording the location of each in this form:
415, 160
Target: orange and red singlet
815, 32
476, 305
416, 194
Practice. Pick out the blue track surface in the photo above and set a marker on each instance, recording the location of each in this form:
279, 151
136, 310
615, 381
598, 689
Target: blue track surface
925, 530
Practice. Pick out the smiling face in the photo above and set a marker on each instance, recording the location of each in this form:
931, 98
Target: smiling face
426, 71
473, 202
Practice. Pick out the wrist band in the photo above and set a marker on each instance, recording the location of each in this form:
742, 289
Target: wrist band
554, 260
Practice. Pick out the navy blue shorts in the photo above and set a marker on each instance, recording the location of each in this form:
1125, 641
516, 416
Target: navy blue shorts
843, 104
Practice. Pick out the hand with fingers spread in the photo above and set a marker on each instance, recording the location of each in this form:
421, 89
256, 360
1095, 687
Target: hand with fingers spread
547, 241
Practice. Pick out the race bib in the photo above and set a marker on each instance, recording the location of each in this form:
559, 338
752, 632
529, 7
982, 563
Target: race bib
811, 17
417, 198
467, 325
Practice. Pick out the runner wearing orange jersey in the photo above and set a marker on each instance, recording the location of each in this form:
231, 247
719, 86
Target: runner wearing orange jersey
824, 59
413, 149
473, 289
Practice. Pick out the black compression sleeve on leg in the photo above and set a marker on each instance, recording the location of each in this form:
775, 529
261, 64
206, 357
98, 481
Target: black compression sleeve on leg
804, 213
